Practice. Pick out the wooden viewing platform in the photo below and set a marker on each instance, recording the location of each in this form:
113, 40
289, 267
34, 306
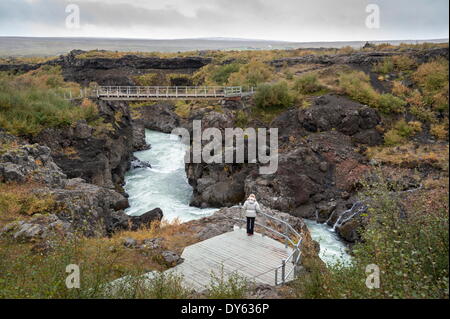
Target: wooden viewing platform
140, 93
256, 258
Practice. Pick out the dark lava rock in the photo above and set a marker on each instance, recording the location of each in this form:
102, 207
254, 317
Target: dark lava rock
360, 59
137, 163
98, 155
121, 204
120, 71
139, 142
145, 219
159, 117
30, 162
305, 211
331, 112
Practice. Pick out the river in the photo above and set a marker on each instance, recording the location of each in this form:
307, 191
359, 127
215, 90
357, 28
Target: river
165, 185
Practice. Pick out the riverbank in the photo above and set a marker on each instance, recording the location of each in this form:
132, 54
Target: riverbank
164, 185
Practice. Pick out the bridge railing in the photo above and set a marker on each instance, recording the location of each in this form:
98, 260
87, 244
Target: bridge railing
130, 92
291, 238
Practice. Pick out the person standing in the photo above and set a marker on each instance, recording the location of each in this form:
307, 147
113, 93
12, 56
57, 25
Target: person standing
251, 207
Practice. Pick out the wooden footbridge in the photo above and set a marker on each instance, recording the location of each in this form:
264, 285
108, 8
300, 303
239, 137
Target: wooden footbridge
142, 93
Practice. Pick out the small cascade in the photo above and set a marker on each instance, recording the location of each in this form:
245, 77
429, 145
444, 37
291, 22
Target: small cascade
357, 208
329, 218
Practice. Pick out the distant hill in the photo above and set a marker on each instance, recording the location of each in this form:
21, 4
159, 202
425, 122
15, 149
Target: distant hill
31, 46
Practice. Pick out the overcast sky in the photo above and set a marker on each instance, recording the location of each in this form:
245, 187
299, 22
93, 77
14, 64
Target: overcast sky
289, 20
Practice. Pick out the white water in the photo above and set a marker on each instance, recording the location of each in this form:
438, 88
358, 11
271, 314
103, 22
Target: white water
332, 249
165, 186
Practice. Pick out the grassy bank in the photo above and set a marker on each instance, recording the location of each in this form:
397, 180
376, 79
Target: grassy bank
35, 100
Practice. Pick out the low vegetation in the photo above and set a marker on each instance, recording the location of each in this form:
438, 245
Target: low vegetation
401, 132
410, 248
17, 201
396, 63
222, 74
356, 84
432, 79
273, 96
33, 275
411, 155
33, 101
232, 286
307, 84
251, 74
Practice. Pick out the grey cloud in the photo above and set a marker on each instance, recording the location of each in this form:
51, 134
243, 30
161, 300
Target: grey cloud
293, 19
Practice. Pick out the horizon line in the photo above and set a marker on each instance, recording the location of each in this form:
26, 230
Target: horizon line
215, 39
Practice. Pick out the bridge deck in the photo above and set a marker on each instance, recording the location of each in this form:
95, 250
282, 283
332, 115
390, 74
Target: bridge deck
254, 257
138, 93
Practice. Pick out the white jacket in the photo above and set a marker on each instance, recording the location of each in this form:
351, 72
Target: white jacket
251, 207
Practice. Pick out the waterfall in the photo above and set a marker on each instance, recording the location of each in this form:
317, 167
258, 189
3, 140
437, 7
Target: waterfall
358, 207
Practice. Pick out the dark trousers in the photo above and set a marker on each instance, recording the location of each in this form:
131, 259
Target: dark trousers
250, 225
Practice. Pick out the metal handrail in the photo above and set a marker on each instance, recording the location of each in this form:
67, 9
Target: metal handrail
142, 92
169, 91
296, 251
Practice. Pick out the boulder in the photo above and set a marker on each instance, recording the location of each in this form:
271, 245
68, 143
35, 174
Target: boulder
153, 243
129, 242
78, 206
30, 162
305, 211
144, 220
137, 163
37, 228
159, 117
324, 211
139, 142
263, 291
171, 258
332, 112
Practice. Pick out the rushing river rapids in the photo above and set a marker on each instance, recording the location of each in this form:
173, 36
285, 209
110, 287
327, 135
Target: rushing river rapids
165, 185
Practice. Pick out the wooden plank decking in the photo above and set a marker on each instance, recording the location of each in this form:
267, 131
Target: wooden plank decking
254, 257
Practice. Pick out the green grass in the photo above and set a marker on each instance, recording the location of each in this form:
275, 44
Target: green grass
432, 79
233, 286
30, 275
357, 85
34, 101
222, 73
307, 84
273, 96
